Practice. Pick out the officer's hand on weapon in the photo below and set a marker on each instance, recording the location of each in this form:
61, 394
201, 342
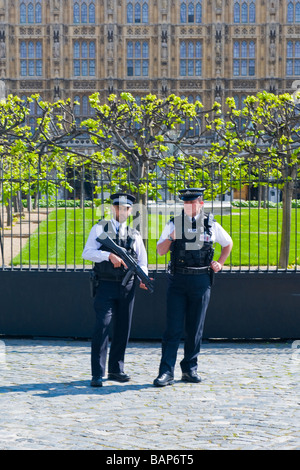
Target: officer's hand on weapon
143, 286
116, 261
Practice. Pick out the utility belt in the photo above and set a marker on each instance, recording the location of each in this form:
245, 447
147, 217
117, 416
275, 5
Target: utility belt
95, 280
192, 270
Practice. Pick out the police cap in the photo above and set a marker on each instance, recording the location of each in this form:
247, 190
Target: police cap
189, 194
122, 199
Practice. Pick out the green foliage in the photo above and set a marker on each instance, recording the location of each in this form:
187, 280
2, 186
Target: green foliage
146, 145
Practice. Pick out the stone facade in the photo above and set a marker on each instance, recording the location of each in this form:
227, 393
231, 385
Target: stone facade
208, 49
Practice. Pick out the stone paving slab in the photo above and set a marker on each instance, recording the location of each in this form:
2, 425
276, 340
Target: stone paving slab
248, 399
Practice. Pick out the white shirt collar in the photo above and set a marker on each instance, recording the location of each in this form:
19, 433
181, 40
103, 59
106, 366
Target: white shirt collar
196, 217
117, 224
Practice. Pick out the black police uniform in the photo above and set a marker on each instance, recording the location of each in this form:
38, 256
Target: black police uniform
113, 303
188, 295
112, 300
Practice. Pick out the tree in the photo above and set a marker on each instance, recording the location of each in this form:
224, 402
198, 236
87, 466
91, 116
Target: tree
133, 138
267, 143
28, 156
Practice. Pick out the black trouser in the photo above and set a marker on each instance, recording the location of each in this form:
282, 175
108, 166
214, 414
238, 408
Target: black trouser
187, 301
112, 301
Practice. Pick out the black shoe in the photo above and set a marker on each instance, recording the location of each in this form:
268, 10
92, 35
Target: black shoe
96, 382
164, 379
191, 377
118, 376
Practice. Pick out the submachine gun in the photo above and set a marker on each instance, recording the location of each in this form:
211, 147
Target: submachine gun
133, 267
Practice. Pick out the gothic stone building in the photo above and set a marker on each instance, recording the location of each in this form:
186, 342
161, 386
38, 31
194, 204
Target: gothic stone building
203, 49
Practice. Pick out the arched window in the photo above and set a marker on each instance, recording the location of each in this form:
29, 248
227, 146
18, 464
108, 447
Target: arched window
137, 13
190, 50
290, 12
289, 49
137, 59
76, 50
145, 13
183, 13
84, 11
191, 11
84, 54
252, 13
30, 50
244, 11
183, 50
251, 49
236, 49
23, 50
244, 49
38, 50
130, 50
92, 13
190, 58
198, 12
145, 50
137, 50
38, 13
244, 58
92, 50
30, 12
76, 13
293, 11
31, 55
23, 15
297, 12
84, 50
236, 13
198, 49
129, 13
77, 106
85, 106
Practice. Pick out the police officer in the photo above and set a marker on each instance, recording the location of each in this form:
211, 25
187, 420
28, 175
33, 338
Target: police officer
190, 238
112, 300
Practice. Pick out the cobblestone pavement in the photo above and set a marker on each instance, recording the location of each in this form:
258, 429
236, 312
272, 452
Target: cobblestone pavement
248, 399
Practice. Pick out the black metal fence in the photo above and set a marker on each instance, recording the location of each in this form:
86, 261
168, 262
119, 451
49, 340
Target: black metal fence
45, 217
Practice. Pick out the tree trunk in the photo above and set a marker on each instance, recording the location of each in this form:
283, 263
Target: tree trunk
9, 213
287, 195
29, 202
36, 200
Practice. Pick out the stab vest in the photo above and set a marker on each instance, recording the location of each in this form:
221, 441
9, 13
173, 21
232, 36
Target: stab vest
105, 269
182, 256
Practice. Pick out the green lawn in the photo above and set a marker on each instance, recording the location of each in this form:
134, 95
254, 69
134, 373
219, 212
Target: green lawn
254, 232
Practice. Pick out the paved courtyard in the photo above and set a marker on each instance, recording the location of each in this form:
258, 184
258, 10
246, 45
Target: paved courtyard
248, 399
